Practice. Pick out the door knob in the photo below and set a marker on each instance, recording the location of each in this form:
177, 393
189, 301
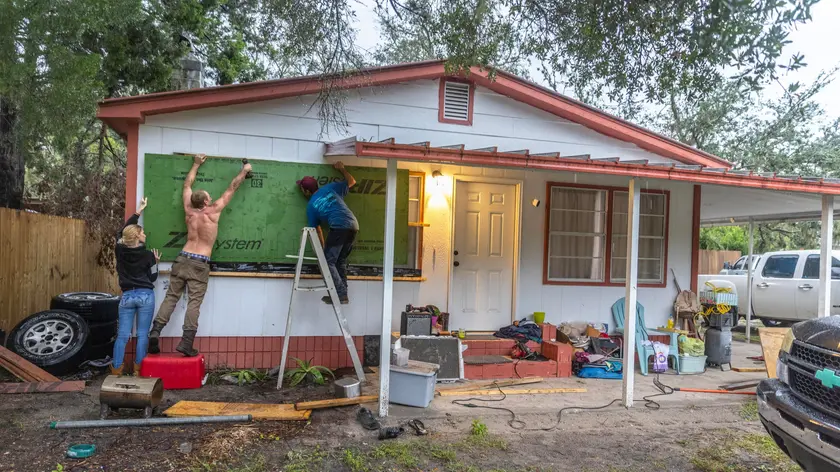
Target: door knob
456, 263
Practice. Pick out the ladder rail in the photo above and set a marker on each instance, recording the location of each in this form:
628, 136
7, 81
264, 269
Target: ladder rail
310, 234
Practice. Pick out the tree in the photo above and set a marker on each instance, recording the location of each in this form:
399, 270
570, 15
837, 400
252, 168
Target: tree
629, 52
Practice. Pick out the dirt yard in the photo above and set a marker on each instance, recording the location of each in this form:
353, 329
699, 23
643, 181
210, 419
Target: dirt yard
680, 436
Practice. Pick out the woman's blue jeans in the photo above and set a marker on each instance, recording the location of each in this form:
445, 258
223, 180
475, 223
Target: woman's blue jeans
139, 302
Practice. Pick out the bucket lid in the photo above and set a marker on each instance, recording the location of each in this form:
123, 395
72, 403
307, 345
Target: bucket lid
417, 368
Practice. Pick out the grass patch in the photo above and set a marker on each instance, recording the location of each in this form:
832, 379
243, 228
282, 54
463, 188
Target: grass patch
251, 464
478, 429
304, 461
355, 460
731, 454
400, 452
743, 337
749, 411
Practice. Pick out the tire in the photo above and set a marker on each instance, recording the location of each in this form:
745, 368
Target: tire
102, 333
776, 323
54, 340
100, 351
94, 307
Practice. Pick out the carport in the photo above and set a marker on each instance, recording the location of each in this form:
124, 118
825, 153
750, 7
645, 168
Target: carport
721, 196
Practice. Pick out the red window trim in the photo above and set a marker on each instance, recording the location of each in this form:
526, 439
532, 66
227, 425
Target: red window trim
471, 104
608, 251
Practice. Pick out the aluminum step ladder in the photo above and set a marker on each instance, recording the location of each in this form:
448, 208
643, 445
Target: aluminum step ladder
311, 234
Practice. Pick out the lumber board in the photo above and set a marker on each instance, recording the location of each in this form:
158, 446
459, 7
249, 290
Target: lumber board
258, 411
749, 369
34, 372
741, 385
42, 387
489, 385
513, 391
771, 342
317, 404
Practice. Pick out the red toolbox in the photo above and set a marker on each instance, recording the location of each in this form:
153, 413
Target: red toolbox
175, 370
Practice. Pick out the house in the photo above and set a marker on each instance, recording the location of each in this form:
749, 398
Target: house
521, 200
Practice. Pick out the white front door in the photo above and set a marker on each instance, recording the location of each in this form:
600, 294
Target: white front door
483, 255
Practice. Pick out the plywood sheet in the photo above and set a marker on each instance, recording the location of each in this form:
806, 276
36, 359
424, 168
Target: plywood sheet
771, 342
259, 411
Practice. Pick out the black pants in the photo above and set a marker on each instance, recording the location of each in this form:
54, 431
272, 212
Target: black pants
337, 248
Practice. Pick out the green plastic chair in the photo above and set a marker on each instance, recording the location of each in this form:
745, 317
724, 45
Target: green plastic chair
645, 352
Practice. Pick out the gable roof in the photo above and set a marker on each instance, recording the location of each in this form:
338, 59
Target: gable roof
125, 112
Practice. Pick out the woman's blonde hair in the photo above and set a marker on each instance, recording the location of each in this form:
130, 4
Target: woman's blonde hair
131, 235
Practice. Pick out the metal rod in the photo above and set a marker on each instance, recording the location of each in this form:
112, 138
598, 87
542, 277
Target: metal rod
149, 422
749, 266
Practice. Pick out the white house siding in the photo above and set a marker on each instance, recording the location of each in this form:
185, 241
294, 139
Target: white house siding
288, 130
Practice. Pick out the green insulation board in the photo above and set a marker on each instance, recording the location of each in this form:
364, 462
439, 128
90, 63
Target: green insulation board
263, 222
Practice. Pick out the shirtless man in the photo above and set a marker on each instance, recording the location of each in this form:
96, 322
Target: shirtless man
192, 266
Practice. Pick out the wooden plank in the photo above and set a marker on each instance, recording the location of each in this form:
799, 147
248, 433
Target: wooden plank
513, 391
771, 342
748, 369
272, 275
491, 385
42, 387
317, 404
259, 411
741, 385
36, 373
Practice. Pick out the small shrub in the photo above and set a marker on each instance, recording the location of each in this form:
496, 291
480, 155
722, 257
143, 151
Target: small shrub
306, 371
478, 429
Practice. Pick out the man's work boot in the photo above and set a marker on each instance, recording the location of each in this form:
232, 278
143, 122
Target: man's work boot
185, 347
328, 300
154, 338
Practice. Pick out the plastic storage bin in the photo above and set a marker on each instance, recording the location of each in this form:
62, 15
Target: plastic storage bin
175, 370
414, 384
692, 364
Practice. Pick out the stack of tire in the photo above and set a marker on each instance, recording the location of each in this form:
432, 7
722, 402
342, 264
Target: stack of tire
77, 327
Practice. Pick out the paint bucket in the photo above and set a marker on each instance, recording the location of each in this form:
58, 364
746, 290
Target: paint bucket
539, 317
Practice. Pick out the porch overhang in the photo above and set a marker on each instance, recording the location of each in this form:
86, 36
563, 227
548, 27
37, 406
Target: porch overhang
523, 159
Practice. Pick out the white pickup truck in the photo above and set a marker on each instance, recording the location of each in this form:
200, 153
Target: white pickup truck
784, 285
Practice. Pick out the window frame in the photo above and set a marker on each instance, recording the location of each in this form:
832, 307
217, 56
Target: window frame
418, 226
781, 256
607, 281
811, 257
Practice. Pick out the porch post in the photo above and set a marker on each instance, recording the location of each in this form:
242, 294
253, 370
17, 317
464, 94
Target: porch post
749, 280
631, 279
387, 287
826, 243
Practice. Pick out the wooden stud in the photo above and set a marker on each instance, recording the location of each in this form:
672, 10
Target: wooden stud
334, 402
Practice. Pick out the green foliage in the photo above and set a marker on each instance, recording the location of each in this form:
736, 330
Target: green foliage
724, 238
478, 428
355, 460
246, 376
306, 371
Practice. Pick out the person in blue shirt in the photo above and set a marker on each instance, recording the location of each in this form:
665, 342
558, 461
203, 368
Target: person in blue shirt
326, 205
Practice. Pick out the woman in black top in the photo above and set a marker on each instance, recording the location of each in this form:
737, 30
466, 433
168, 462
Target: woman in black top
137, 270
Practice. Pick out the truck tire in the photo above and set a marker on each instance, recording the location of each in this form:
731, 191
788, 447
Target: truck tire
94, 307
102, 333
100, 351
54, 340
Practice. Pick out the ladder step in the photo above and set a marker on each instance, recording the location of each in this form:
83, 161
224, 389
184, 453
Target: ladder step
322, 288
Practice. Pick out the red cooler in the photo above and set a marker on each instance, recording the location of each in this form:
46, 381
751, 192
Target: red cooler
175, 370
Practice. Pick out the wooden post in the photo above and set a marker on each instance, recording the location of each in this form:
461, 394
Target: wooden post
826, 243
630, 285
388, 287
749, 266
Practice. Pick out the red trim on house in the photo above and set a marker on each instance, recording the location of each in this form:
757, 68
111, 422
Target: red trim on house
470, 103
607, 282
695, 237
132, 138
564, 164
117, 111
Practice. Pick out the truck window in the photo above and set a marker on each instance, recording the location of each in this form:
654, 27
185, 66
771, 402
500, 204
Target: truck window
739, 265
812, 267
780, 267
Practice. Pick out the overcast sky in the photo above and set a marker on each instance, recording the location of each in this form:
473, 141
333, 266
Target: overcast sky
818, 40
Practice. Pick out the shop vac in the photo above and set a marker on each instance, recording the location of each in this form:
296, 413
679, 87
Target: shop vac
719, 301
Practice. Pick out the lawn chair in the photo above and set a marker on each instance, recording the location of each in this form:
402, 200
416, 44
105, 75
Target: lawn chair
645, 352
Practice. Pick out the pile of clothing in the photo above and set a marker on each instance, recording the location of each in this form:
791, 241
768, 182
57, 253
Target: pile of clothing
522, 330
587, 365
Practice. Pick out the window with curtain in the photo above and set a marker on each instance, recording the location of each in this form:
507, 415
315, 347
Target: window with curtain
586, 235
577, 234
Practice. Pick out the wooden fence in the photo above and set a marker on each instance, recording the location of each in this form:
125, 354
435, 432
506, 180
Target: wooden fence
711, 262
42, 256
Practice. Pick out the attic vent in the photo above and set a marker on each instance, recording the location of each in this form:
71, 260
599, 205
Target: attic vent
455, 102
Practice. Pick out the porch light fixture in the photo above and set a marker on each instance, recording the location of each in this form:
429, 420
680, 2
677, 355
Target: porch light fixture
535, 202
438, 176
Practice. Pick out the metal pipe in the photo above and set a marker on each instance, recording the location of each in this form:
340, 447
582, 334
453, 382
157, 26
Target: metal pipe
149, 422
